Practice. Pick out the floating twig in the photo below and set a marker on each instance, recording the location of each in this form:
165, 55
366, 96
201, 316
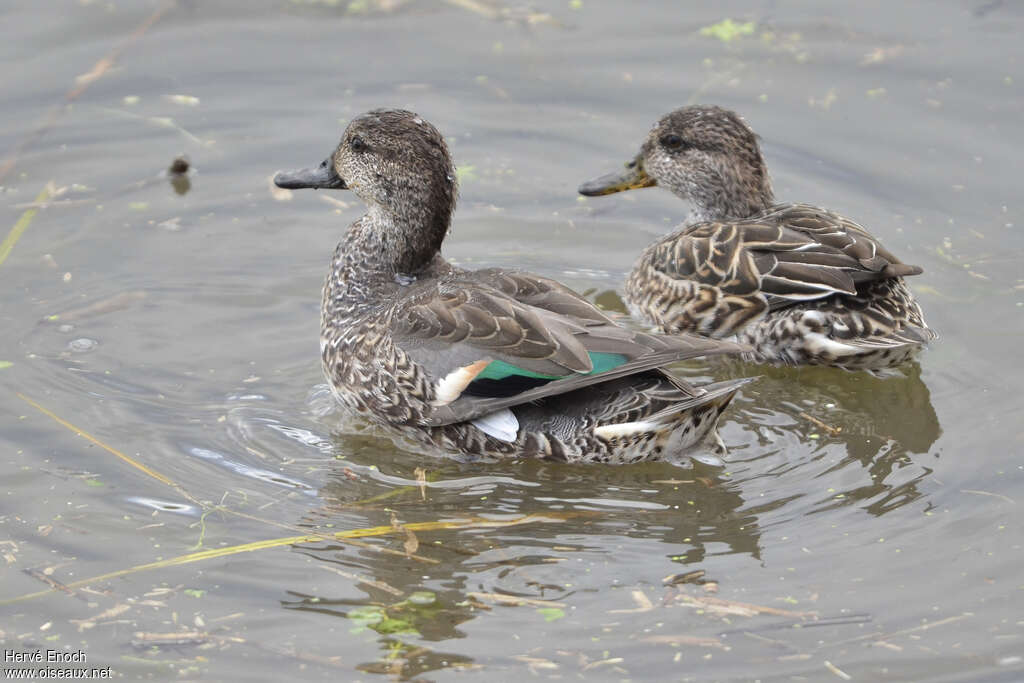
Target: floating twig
685, 577
53, 203
696, 641
142, 639
476, 8
106, 615
834, 431
837, 671
113, 451
387, 588
49, 581
512, 600
1000, 496
743, 608
887, 636
643, 603
438, 525
117, 302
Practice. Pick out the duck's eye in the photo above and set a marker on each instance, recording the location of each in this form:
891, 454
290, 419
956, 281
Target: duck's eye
358, 145
671, 141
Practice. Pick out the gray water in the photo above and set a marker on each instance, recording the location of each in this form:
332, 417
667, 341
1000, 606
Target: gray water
885, 548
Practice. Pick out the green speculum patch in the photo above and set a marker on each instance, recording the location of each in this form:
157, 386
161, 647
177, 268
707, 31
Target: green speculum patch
501, 379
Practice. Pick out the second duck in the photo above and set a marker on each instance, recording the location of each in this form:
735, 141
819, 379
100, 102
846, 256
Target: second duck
800, 284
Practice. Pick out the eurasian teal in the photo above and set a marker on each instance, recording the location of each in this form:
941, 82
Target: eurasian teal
488, 362
800, 284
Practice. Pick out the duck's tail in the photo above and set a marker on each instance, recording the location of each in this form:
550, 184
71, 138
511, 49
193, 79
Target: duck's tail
680, 426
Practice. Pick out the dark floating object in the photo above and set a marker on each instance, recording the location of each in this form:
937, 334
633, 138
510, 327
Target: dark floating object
177, 172
179, 166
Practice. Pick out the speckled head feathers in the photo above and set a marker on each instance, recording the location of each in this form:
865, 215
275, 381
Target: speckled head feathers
709, 156
398, 164
386, 151
398, 161
705, 154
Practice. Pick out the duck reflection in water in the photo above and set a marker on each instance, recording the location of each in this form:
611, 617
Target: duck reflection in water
884, 420
886, 424
591, 522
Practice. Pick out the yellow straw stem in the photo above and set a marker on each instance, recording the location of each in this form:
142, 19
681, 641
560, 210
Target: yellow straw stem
383, 530
23, 222
110, 449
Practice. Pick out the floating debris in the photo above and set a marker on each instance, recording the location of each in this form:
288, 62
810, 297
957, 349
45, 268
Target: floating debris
881, 54
422, 598
185, 638
837, 671
421, 480
551, 613
684, 577
376, 583
117, 302
466, 174
512, 600
825, 102
834, 431
107, 615
411, 544
82, 345
183, 100
179, 166
695, 641
728, 30
644, 604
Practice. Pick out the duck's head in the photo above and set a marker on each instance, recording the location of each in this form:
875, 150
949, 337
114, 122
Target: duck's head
399, 165
706, 155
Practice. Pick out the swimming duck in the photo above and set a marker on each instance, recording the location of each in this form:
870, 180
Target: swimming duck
800, 284
488, 362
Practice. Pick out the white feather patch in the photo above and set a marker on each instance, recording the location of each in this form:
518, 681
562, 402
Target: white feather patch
624, 429
451, 386
818, 344
814, 317
501, 424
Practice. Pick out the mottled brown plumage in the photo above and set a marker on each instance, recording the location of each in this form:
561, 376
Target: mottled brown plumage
488, 362
800, 284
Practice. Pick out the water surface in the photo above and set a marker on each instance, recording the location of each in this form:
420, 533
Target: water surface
862, 526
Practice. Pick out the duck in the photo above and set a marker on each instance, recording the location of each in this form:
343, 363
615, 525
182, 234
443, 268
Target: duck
484, 363
801, 285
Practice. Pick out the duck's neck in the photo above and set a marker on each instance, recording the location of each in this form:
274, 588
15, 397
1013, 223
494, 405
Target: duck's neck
380, 251
732, 201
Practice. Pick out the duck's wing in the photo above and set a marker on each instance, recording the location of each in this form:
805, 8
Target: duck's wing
493, 339
793, 253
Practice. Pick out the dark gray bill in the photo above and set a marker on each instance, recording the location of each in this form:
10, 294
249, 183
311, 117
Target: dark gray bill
323, 177
631, 177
